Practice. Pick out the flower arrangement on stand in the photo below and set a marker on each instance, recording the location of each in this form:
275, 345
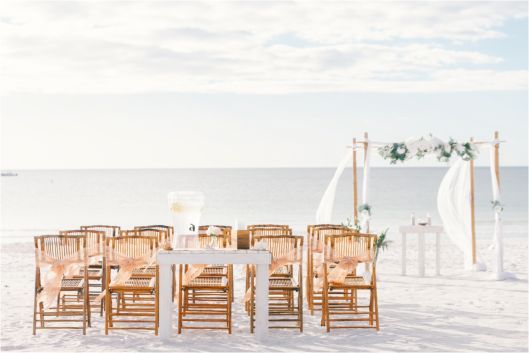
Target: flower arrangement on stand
213, 233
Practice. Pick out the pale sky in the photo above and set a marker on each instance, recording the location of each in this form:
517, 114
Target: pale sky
254, 84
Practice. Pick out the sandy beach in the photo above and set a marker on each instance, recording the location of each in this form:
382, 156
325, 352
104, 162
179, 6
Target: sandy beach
457, 311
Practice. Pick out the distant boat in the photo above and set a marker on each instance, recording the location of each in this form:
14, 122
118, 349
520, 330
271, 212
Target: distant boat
8, 173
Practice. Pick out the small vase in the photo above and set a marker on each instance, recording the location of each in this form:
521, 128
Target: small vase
213, 242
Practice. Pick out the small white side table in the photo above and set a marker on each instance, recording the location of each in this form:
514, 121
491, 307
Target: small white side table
421, 231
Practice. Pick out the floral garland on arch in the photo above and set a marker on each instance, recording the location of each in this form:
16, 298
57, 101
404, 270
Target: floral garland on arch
420, 147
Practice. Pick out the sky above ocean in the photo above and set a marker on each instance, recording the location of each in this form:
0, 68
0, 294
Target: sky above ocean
254, 84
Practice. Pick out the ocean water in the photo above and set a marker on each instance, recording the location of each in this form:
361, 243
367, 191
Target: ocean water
44, 201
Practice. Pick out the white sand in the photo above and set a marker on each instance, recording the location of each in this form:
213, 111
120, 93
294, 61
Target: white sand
455, 312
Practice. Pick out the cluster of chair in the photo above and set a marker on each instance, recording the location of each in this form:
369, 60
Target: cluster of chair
129, 300
97, 252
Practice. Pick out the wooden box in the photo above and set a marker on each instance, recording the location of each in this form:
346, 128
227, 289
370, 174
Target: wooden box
243, 239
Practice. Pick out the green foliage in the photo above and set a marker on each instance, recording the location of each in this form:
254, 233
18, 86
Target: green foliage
399, 151
381, 243
364, 207
497, 206
354, 227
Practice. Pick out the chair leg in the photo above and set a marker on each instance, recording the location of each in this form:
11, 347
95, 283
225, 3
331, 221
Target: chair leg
251, 304
371, 307
108, 310
180, 308
300, 309
88, 306
35, 313
85, 308
247, 286
228, 314
41, 313
376, 308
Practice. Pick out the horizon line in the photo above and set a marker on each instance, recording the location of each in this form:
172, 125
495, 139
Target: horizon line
176, 168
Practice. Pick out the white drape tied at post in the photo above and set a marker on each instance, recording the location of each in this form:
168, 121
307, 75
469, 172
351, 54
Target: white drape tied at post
365, 215
453, 203
324, 212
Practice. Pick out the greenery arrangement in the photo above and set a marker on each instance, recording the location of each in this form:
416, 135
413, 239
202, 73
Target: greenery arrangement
364, 207
497, 206
355, 227
394, 152
420, 147
381, 243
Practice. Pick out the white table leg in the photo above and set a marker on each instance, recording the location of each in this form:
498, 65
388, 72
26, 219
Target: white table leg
437, 254
261, 302
403, 254
421, 254
166, 308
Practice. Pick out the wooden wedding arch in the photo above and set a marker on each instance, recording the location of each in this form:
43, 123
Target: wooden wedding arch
365, 144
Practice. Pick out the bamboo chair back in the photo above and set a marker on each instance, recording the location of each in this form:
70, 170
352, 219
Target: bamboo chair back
318, 232
349, 245
95, 240
168, 229
61, 247
128, 232
281, 245
133, 246
110, 231
161, 234
268, 229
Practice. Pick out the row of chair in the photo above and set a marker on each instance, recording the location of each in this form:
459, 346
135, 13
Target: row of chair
204, 294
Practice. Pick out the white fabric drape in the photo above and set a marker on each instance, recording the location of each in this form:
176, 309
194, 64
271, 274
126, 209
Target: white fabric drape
453, 203
496, 196
365, 216
324, 212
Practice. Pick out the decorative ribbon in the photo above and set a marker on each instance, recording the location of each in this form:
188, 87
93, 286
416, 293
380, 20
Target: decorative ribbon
344, 266
51, 283
193, 271
127, 265
291, 258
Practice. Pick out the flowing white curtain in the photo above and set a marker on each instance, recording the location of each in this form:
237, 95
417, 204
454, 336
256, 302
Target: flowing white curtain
498, 233
453, 203
324, 212
365, 216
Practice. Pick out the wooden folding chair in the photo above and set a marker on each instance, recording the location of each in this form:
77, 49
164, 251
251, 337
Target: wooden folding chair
284, 307
95, 248
265, 229
144, 290
207, 298
61, 250
315, 236
336, 307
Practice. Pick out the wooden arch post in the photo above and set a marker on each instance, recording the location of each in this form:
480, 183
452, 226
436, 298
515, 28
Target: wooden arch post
497, 156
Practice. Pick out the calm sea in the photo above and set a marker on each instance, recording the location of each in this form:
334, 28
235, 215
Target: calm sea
38, 202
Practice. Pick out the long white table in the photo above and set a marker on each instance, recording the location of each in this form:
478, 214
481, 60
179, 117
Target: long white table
421, 231
260, 258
